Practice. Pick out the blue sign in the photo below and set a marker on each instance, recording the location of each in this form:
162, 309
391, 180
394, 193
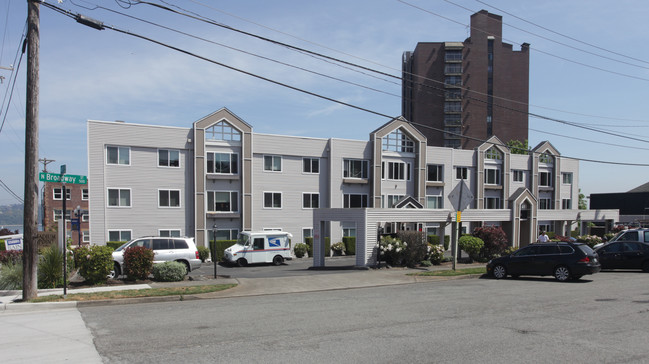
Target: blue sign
75, 224
274, 243
14, 244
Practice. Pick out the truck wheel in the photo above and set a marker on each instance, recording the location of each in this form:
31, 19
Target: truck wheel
241, 262
278, 260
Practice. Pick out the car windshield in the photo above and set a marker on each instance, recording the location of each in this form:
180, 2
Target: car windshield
123, 246
242, 239
586, 249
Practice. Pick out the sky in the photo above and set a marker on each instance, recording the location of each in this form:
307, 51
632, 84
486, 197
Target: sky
589, 65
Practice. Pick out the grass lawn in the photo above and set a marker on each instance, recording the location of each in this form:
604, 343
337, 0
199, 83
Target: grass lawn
451, 273
134, 293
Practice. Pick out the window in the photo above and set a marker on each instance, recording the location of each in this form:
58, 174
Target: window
493, 153
461, 173
545, 179
354, 200
435, 173
311, 165
86, 216
310, 200
545, 204
119, 235
453, 106
119, 197
566, 203
118, 155
491, 176
172, 233
397, 141
566, 178
548, 228
223, 234
273, 200
453, 55
396, 170
307, 233
453, 94
355, 168
492, 203
168, 158
434, 202
453, 68
349, 232
453, 80
84, 194
273, 163
393, 199
85, 236
58, 212
56, 192
168, 198
518, 175
545, 158
222, 131
223, 163
222, 201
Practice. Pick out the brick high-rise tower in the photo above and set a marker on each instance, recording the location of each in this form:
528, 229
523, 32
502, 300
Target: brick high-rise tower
477, 88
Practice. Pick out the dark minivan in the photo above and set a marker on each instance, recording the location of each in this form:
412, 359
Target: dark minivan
624, 255
562, 260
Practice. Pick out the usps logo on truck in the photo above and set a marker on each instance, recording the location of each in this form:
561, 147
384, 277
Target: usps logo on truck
274, 243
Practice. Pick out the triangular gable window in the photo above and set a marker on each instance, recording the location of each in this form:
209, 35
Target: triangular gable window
222, 131
397, 141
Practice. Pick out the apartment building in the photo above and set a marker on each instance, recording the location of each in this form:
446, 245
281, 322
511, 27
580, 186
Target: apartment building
459, 93
219, 177
76, 209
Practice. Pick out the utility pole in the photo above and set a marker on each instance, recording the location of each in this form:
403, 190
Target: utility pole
30, 223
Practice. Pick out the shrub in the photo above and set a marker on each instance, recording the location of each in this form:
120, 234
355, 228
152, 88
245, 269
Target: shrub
425, 263
11, 256
338, 247
50, 268
2, 245
350, 245
494, 238
299, 250
309, 245
391, 250
169, 272
434, 240
11, 275
115, 244
417, 247
94, 262
591, 240
436, 254
217, 252
471, 244
203, 253
138, 262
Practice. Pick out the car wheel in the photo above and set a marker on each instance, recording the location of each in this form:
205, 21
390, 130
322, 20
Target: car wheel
187, 268
500, 271
645, 267
562, 273
241, 262
278, 260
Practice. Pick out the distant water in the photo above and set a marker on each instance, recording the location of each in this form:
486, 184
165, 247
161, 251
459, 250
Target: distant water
16, 227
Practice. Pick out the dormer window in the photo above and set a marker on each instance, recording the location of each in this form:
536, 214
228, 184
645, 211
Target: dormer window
545, 158
397, 141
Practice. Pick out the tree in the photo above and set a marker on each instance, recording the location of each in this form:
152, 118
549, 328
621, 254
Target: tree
518, 147
582, 201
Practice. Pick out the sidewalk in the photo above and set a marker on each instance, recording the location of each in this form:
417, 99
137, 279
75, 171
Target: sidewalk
346, 279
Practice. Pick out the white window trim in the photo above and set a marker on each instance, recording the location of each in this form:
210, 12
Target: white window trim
66, 194
521, 172
310, 194
116, 164
549, 179
120, 232
440, 174
85, 236
119, 189
310, 159
498, 181
281, 163
563, 174
467, 173
407, 170
168, 150
221, 173
364, 162
441, 199
359, 194
180, 202
281, 200
85, 217
306, 228
87, 194
221, 212
170, 230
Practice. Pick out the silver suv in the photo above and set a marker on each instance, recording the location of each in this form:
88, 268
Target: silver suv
165, 249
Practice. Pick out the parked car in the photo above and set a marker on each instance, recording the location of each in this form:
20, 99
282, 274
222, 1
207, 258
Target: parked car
165, 249
562, 260
624, 255
641, 235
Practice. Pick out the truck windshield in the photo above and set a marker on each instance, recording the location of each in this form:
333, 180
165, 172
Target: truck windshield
242, 239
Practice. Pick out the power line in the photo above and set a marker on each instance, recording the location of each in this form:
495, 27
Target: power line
12, 193
99, 25
13, 84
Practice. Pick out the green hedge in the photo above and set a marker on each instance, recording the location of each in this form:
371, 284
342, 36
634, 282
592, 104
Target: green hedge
309, 245
2, 245
114, 244
434, 239
221, 245
350, 245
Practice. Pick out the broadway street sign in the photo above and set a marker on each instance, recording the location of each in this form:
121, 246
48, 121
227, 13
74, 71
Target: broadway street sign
67, 178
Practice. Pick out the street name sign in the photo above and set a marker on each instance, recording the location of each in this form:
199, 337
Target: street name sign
67, 178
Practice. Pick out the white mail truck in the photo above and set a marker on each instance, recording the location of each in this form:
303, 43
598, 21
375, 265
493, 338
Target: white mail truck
260, 247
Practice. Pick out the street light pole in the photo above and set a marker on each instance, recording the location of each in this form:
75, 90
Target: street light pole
79, 214
214, 260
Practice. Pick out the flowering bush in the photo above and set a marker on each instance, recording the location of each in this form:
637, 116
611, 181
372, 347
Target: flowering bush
338, 247
435, 254
138, 262
591, 240
392, 250
494, 238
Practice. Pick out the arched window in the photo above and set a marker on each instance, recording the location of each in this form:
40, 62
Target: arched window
494, 153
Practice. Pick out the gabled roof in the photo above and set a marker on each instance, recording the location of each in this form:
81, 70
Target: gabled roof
546, 147
408, 202
399, 123
493, 142
641, 188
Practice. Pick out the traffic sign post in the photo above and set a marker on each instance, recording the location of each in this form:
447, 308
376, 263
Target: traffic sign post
461, 198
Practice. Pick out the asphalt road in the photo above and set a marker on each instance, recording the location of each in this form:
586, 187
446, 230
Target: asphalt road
601, 319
